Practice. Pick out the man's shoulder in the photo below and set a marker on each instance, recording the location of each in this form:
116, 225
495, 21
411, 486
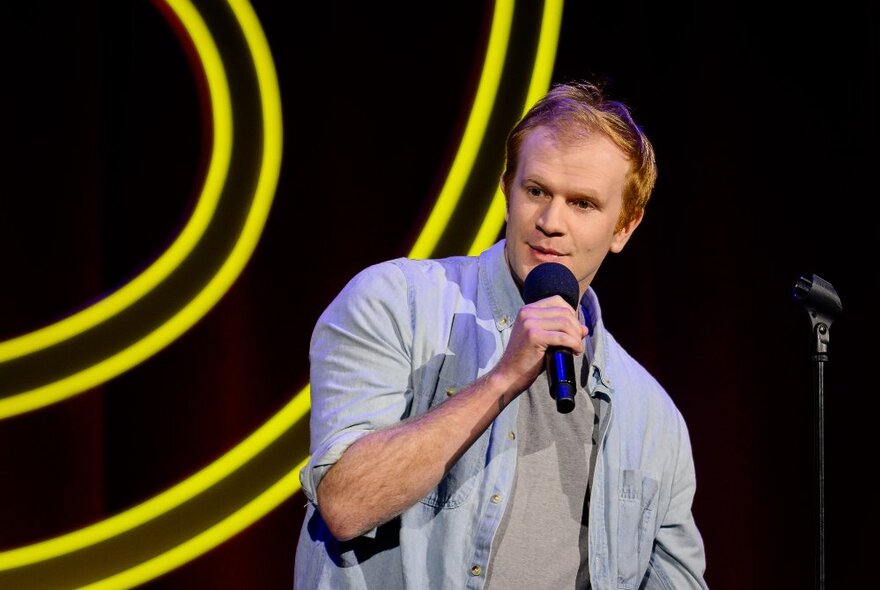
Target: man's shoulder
411, 281
456, 273
437, 267
419, 273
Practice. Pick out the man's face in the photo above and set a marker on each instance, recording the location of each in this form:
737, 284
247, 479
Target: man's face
564, 203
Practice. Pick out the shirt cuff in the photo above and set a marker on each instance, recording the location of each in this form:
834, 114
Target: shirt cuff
322, 460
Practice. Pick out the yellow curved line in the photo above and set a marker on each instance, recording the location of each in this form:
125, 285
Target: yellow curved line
192, 232
277, 424
545, 56
207, 540
475, 129
292, 413
167, 500
289, 484
220, 283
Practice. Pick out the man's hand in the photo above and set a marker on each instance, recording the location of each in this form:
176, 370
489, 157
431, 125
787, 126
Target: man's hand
539, 325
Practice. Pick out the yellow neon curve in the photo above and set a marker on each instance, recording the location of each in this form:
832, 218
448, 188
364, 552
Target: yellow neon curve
220, 283
247, 449
207, 540
282, 420
203, 479
167, 500
474, 131
218, 89
551, 22
289, 484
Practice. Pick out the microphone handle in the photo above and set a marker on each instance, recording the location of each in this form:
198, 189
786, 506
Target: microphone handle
559, 363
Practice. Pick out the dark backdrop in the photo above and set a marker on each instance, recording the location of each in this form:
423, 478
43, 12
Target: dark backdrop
765, 127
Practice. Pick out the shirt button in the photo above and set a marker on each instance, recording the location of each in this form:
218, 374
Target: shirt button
450, 391
511, 435
496, 498
476, 570
504, 321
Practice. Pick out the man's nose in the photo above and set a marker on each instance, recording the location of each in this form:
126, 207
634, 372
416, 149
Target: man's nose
551, 221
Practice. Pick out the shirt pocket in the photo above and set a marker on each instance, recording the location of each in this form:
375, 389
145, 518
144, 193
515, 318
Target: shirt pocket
462, 478
635, 527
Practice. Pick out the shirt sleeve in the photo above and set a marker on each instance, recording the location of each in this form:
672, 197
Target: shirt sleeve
678, 560
360, 367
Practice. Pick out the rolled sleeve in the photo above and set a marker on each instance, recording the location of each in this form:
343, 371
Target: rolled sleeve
322, 459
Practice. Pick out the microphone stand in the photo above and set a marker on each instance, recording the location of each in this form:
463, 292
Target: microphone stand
823, 305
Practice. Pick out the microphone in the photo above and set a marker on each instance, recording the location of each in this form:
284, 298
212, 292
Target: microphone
546, 280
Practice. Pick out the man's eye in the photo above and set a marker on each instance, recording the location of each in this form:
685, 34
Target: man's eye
534, 191
583, 204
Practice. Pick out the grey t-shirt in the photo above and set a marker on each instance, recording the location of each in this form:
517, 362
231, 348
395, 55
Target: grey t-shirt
542, 539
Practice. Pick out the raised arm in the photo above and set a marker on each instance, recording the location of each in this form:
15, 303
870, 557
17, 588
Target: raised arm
389, 465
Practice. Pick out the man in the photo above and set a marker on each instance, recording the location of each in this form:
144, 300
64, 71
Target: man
439, 459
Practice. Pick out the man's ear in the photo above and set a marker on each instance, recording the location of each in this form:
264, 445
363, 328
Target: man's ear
622, 235
506, 197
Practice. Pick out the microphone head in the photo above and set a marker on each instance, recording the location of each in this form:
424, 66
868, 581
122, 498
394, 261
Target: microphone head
548, 279
819, 296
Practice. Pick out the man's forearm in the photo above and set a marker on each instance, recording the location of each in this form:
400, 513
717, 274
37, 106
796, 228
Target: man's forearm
387, 471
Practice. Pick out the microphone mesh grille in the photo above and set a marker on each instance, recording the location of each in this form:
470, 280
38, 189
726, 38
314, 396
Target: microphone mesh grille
548, 279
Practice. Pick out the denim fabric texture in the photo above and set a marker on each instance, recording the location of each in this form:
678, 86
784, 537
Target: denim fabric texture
405, 335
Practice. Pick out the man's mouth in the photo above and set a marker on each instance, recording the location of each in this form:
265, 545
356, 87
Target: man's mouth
545, 252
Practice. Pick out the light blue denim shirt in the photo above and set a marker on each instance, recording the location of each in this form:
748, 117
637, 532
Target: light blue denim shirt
405, 335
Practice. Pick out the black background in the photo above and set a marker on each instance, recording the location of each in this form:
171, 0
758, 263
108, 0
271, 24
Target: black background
765, 125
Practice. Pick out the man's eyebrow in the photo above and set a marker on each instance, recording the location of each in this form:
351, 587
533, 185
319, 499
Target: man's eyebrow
587, 193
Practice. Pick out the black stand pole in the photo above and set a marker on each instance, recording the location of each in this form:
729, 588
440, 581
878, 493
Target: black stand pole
823, 305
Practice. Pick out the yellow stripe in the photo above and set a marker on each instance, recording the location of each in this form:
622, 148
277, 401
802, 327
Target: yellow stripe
280, 422
220, 283
207, 540
218, 89
245, 451
545, 57
474, 132
167, 500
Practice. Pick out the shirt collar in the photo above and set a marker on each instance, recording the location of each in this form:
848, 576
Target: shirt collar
498, 282
595, 343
